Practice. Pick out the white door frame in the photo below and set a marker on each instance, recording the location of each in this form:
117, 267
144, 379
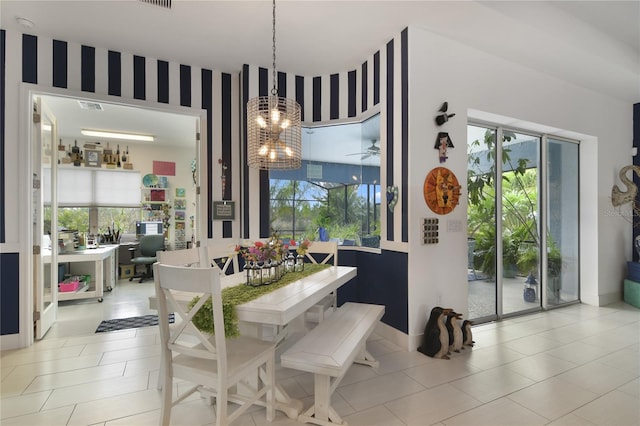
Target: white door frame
26, 92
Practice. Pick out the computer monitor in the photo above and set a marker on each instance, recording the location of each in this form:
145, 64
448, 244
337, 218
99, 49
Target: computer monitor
149, 228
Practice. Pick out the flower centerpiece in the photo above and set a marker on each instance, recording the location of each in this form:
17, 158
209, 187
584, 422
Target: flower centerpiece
302, 249
263, 260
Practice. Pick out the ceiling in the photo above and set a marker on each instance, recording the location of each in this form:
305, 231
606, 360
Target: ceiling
594, 44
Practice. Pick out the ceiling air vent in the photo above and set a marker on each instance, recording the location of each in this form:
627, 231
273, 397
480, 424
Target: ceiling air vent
160, 3
91, 106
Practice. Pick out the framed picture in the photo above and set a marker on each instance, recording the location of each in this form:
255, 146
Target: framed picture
179, 215
92, 158
180, 203
180, 192
157, 194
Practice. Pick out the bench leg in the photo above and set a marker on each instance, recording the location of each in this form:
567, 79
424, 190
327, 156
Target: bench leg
321, 413
367, 359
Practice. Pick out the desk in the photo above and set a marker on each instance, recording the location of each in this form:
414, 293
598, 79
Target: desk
281, 307
100, 263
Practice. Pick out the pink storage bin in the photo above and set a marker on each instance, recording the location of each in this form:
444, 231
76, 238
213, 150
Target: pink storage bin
68, 285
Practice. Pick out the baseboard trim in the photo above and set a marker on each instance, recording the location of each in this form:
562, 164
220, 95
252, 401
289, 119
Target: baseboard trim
393, 335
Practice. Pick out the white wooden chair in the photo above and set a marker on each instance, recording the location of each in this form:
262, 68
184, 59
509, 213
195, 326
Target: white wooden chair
214, 364
322, 252
186, 257
223, 255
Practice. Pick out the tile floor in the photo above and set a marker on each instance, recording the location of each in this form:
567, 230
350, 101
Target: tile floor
578, 365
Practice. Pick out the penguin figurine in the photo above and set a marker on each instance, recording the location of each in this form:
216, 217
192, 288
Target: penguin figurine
442, 353
431, 338
467, 335
449, 324
457, 333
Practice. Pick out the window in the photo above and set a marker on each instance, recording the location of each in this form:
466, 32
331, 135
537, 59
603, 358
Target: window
82, 187
336, 194
95, 201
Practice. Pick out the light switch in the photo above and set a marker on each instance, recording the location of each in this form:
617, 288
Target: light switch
430, 230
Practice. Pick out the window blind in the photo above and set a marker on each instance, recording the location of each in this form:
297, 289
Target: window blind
100, 188
116, 189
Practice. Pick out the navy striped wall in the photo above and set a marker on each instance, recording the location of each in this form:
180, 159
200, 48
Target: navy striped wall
340, 96
382, 278
166, 78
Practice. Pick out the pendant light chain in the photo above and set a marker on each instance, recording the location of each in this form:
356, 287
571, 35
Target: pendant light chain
274, 90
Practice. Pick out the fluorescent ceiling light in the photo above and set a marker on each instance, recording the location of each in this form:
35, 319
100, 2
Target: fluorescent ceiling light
117, 135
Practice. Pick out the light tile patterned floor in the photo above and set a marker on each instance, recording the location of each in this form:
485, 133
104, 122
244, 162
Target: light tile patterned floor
578, 365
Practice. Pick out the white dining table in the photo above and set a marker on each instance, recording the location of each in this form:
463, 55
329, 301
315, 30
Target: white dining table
281, 307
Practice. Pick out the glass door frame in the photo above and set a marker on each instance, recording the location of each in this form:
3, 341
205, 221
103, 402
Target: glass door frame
45, 302
542, 210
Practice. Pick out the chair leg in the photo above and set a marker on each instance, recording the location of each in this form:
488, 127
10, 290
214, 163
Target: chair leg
167, 399
271, 392
221, 407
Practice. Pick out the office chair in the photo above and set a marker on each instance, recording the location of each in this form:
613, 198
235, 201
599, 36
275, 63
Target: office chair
149, 246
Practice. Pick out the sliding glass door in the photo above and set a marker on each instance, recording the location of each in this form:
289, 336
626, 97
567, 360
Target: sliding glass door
506, 275
562, 272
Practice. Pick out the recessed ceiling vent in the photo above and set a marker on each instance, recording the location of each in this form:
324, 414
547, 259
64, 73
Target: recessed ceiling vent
90, 106
160, 3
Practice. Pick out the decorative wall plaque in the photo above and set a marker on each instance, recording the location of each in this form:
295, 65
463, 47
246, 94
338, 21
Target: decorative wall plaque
441, 190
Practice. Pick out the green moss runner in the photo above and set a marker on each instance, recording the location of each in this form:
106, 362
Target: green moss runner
239, 294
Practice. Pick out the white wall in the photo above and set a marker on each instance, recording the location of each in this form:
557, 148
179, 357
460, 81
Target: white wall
443, 70
143, 156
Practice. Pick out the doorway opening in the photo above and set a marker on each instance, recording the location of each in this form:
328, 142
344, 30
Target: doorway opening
523, 228
93, 190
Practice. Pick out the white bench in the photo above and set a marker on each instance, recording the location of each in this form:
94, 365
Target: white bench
328, 351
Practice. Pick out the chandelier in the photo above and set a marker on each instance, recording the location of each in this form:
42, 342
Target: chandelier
274, 135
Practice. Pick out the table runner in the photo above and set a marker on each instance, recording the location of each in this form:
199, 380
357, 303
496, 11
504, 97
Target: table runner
239, 294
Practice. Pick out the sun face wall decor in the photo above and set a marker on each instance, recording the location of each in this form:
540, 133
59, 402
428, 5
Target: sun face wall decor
441, 190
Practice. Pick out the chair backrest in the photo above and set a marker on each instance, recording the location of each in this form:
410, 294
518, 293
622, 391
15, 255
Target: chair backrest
186, 257
183, 337
151, 244
328, 248
222, 255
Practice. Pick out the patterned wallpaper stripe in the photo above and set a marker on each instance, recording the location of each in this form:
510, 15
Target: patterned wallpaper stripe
390, 126
226, 157
88, 69
185, 85
115, 73
3, 55
334, 113
163, 82
404, 82
245, 169
351, 108
139, 78
365, 86
29, 59
207, 105
59, 64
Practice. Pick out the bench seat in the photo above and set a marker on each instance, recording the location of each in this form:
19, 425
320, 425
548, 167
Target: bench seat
328, 351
